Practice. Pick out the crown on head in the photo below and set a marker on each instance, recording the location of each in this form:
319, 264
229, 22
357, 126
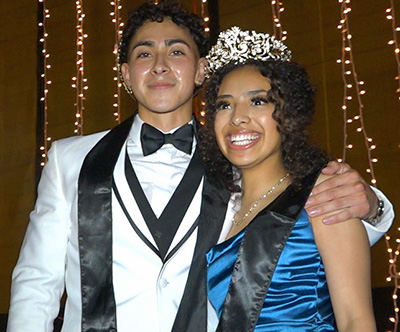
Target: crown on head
237, 46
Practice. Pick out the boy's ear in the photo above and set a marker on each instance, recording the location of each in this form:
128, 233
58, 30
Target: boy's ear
200, 73
126, 79
125, 74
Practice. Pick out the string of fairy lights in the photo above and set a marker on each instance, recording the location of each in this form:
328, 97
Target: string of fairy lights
204, 15
206, 19
353, 86
79, 82
277, 9
390, 15
45, 82
394, 274
118, 27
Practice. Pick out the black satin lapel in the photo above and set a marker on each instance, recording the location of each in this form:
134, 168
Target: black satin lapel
258, 255
257, 258
292, 200
192, 313
95, 231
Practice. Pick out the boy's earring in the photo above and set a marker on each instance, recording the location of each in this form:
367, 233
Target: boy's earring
128, 88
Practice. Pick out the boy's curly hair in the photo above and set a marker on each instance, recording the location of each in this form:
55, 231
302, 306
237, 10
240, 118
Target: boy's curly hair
152, 12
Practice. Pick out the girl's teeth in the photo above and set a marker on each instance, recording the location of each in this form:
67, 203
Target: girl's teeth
243, 139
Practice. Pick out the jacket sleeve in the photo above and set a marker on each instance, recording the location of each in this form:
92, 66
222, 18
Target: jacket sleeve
38, 278
376, 232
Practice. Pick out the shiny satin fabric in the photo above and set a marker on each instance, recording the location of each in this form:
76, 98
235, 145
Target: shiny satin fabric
152, 139
94, 229
298, 297
270, 277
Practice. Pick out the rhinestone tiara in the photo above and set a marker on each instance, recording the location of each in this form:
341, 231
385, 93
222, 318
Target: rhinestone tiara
237, 46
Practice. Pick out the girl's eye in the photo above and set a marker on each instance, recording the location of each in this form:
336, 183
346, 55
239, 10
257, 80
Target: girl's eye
222, 106
257, 101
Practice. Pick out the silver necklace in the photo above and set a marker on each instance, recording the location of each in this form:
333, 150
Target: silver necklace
255, 204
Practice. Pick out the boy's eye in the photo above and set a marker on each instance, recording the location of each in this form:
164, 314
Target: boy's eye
177, 52
143, 55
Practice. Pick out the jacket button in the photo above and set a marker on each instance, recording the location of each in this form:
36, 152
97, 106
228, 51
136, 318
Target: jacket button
163, 283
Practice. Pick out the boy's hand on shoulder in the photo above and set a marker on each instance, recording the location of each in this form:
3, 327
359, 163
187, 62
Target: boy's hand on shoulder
342, 194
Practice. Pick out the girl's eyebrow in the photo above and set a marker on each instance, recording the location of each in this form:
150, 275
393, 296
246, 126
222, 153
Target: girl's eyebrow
247, 93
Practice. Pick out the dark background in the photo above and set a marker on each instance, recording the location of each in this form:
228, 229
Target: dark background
312, 36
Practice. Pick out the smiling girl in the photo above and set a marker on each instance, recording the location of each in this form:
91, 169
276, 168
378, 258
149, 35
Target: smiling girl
278, 269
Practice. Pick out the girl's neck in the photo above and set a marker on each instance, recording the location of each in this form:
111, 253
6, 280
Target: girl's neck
255, 183
259, 189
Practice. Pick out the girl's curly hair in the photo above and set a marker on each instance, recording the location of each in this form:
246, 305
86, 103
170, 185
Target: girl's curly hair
152, 12
293, 96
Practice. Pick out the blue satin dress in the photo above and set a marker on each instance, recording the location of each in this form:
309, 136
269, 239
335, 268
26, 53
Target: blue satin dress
297, 299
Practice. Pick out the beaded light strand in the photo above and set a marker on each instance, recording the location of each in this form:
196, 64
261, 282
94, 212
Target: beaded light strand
350, 80
394, 274
206, 19
348, 70
45, 82
79, 81
390, 15
204, 15
118, 26
277, 9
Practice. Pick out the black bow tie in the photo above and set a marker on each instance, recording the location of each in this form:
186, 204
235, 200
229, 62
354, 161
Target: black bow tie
152, 139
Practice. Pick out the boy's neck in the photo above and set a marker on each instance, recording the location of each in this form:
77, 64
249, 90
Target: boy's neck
165, 121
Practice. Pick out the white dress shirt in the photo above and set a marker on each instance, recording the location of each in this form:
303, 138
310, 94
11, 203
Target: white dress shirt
159, 173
